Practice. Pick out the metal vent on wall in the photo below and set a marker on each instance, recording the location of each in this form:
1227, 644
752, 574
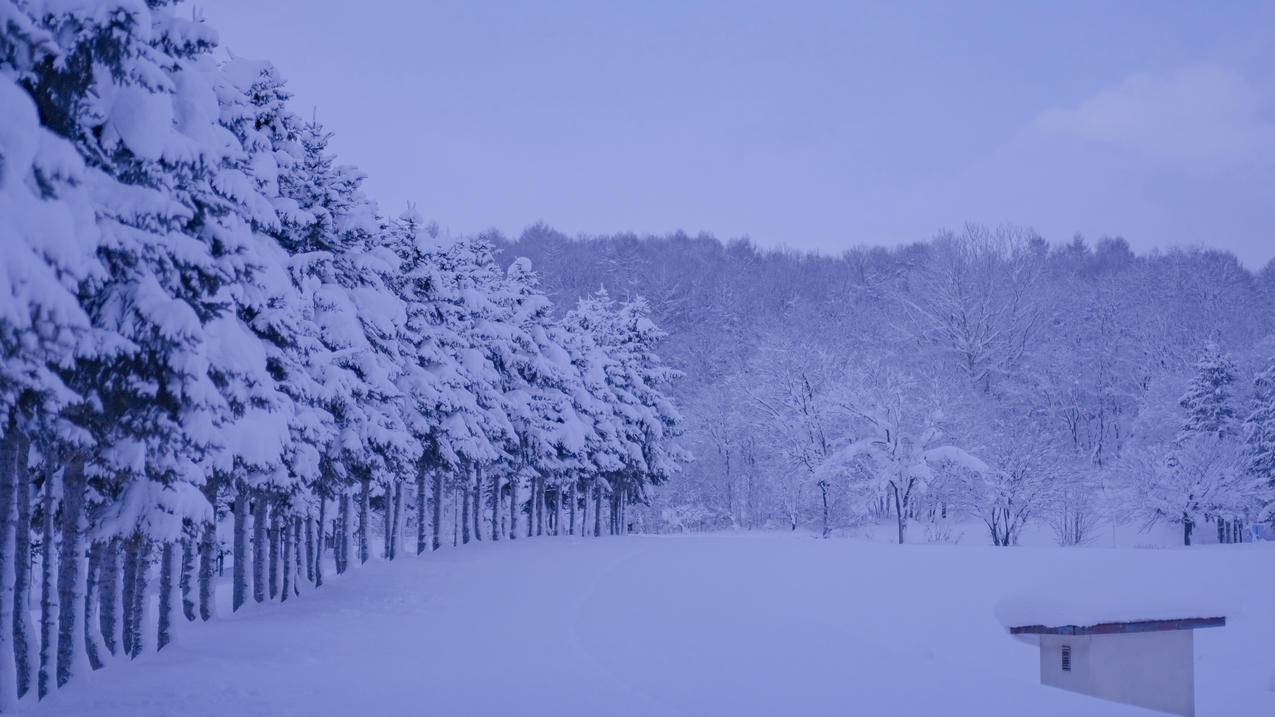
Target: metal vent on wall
1066, 658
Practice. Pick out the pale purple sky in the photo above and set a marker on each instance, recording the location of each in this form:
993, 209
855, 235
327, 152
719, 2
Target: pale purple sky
811, 125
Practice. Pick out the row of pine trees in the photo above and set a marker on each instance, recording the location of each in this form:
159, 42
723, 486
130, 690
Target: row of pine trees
206, 323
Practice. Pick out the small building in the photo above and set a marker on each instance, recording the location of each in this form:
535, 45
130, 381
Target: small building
1147, 663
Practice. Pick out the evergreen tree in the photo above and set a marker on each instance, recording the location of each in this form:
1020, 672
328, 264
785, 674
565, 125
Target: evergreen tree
343, 265
1209, 400
280, 423
1259, 431
638, 422
172, 248
49, 242
440, 392
478, 431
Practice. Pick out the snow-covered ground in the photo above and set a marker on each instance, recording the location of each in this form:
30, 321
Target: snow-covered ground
766, 624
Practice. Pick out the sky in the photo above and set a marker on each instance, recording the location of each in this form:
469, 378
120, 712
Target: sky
801, 124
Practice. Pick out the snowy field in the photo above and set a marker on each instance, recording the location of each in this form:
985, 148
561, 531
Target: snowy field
765, 624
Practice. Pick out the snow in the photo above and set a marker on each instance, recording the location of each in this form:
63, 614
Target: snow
141, 119
739, 624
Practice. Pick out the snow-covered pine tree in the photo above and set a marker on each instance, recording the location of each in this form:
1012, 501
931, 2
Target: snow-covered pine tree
341, 263
1211, 414
1258, 433
539, 381
644, 420
648, 380
1197, 474
600, 453
431, 378
171, 205
1209, 400
279, 420
50, 239
476, 429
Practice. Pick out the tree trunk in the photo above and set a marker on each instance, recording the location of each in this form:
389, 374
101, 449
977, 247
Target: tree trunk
571, 527
109, 587
9, 475
186, 582
898, 510
1187, 526
347, 538
23, 634
92, 623
823, 490
391, 522
597, 509
207, 550
71, 656
437, 507
240, 575
127, 586
365, 497
557, 510
286, 564
309, 548
464, 514
299, 568
319, 538
422, 537
338, 532
48, 571
118, 555
538, 493
478, 504
495, 504
514, 508
272, 533
137, 610
531, 507
387, 551
342, 506
166, 596
260, 513
398, 519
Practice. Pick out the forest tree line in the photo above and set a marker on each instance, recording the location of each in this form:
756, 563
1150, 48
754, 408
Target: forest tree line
986, 374
205, 322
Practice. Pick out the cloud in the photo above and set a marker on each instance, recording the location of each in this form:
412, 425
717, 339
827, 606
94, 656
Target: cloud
1203, 113
1182, 158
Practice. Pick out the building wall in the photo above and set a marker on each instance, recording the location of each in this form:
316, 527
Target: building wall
1149, 669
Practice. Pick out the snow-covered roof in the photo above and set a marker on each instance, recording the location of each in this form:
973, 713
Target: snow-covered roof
1115, 628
